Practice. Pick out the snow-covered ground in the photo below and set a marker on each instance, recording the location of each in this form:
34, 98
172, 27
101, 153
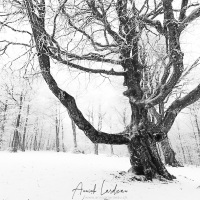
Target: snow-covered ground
66, 176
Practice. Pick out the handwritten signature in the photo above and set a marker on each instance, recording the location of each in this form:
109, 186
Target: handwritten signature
80, 190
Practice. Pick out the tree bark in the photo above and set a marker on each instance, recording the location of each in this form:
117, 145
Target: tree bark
57, 120
145, 159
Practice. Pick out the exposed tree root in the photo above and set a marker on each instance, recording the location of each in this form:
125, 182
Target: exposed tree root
130, 176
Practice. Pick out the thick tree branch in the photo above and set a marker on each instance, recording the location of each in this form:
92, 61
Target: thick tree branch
121, 8
177, 106
85, 69
67, 100
90, 57
154, 23
182, 14
158, 9
191, 17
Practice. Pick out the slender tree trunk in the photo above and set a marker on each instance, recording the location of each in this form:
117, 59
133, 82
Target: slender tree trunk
190, 160
35, 143
52, 145
124, 118
35, 140
195, 136
25, 128
31, 143
183, 151
57, 142
57, 124
48, 144
111, 149
57, 135
100, 122
198, 128
96, 149
40, 140
63, 144
3, 123
28, 141
16, 136
74, 134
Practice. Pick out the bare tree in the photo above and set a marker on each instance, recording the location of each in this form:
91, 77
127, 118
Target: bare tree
182, 149
63, 144
40, 142
57, 125
111, 32
194, 118
74, 133
101, 115
194, 112
25, 128
91, 117
3, 122
111, 146
16, 142
35, 136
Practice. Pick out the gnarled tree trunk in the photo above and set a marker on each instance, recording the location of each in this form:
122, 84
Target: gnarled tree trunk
144, 156
145, 159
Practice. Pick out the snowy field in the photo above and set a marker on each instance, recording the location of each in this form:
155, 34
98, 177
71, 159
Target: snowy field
65, 176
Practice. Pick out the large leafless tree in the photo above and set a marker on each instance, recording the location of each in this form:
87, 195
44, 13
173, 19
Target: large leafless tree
80, 34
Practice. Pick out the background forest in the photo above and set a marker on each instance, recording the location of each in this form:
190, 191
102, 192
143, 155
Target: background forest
33, 120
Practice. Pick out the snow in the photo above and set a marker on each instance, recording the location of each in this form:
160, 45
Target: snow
53, 176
